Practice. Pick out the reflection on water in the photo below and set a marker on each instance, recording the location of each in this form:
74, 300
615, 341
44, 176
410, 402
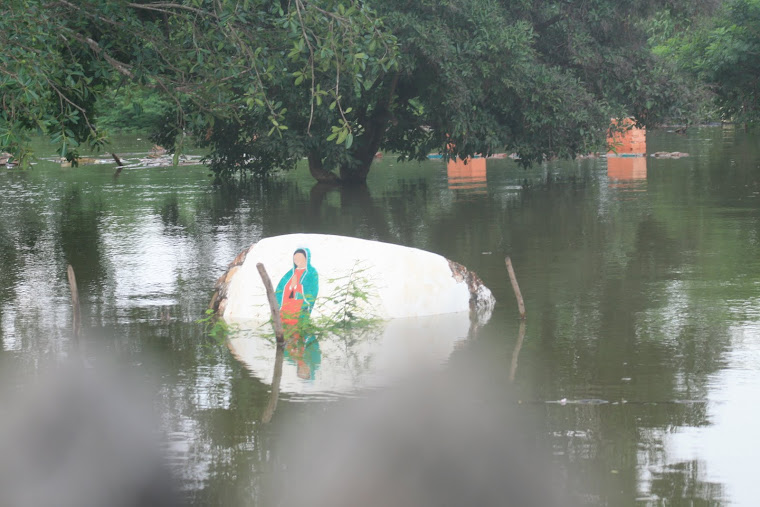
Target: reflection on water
644, 306
622, 171
727, 465
366, 358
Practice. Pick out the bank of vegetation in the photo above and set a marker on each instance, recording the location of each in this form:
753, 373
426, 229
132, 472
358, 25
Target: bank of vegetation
262, 85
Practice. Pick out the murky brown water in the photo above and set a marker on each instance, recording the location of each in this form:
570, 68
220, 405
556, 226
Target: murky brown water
641, 356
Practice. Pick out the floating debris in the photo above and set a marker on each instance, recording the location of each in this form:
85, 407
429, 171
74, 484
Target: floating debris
157, 151
588, 401
132, 161
669, 154
86, 161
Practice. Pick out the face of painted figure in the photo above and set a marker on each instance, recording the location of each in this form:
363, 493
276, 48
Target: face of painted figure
299, 260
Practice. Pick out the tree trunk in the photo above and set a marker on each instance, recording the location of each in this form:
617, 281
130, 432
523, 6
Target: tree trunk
318, 171
374, 131
354, 175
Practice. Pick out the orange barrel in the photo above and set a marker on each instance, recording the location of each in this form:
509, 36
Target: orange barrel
629, 140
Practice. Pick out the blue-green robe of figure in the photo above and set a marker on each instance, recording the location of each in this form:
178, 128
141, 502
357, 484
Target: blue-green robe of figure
309, 282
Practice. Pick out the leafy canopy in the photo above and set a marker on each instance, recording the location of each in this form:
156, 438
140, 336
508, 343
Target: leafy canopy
724, 53
263, 84
541, 79
211, 59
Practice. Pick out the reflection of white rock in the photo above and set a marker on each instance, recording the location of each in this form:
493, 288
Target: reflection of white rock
400, 281
392, 350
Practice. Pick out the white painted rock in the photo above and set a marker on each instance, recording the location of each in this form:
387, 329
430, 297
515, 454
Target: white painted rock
396, 281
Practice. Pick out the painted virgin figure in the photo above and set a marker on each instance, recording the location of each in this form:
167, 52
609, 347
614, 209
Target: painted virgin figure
298, 288
296, 294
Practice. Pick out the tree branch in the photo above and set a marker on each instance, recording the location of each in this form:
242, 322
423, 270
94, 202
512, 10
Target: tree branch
161, 7
121, 67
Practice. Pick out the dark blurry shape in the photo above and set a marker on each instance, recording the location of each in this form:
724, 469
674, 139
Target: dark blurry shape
469, 174
75, 439
430, 442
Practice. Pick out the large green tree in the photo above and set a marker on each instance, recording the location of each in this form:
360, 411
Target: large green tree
265, 84
541, 79
724, 53
212, 59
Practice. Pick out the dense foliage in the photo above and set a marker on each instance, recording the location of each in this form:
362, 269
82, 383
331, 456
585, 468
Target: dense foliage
265, 84
724, 53
211, 59
541, 79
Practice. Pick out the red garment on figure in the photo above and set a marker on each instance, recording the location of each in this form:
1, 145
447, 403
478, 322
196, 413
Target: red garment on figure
290, 309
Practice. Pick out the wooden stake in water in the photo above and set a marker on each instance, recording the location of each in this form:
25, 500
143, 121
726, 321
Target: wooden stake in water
516, 288
276, 320
119, 165
75, 301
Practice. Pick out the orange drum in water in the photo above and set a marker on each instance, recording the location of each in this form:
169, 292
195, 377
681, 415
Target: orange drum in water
629, 140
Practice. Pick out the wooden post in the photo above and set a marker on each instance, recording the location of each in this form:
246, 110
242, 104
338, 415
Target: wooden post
516, 288
276, 320
276, 378
75, 301
119, 165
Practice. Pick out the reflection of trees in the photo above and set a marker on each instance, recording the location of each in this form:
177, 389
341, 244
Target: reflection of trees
8, 264
169, 212
79, 237
686, 485
22, 231
9, 270
356, 213
722, 168
608, 300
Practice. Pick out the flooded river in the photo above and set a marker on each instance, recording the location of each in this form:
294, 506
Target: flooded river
640, 360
